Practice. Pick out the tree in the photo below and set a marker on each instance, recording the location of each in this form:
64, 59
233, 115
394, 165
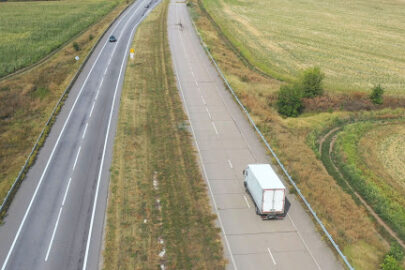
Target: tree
311, 82
289, 100
377, 95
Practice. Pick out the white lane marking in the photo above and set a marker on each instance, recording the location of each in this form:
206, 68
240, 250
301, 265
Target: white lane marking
305, 244
54, 148
271, 255
230, 164
246, 200
98, 92
92, 108
215, 128
206, 108
105, 143
85, 130
53, 235
66, 192
203, 100
199, 153
77, 157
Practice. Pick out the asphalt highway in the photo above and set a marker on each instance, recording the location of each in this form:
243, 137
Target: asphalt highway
226, 143
57, 217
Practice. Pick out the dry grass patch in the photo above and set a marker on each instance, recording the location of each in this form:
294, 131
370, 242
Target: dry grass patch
158, 199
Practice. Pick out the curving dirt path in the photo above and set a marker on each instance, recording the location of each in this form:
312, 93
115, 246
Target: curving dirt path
370, 210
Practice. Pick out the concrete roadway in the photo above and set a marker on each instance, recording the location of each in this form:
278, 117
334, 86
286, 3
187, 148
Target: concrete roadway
56, 219
226, 143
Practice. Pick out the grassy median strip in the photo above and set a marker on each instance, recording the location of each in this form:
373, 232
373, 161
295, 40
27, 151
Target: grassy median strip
158, 209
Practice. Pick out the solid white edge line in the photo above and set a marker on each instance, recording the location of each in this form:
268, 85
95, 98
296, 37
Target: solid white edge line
305, 244
54, 148
77, 157
230, 164
66, 192
202, 164
106, 140
53, 235
215, 128
85, 130
246, 200
271, 255
92, 108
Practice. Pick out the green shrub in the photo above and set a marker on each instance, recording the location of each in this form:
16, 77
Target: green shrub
289, 100
76, 46
396, 251
377, 95
311, 82
390, 263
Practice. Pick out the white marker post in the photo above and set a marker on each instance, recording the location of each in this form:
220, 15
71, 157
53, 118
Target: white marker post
132, 53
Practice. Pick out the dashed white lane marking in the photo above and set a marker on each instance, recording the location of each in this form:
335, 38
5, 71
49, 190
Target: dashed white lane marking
53, 235
271, 255
92, 108
106, 140
209, 115
230, 164
98, 92
85, 130
77, 157
203, 100
66, 192
215, 128
246, 200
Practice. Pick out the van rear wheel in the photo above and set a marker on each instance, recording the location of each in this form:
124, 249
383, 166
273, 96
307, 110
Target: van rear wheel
257, 210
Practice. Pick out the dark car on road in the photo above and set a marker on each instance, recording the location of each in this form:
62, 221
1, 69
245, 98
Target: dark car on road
112, 39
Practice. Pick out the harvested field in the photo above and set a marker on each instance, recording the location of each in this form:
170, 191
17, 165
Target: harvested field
356, 43
158, 210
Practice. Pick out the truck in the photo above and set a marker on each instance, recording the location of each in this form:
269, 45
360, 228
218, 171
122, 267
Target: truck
266, 190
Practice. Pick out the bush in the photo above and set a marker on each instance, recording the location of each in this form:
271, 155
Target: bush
289, 100
377, 95
396, 251
311, 82
76, 46
390, 263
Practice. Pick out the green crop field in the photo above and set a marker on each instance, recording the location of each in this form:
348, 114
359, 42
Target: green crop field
369, 156
357, 43
31, 30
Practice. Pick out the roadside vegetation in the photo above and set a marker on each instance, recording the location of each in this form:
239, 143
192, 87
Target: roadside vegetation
27, 99
368, 155
158, 210
259, 77
31, 30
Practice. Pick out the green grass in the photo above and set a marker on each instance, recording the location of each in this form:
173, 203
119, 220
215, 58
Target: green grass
31, 30
386, 199
356, 43
152, 144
